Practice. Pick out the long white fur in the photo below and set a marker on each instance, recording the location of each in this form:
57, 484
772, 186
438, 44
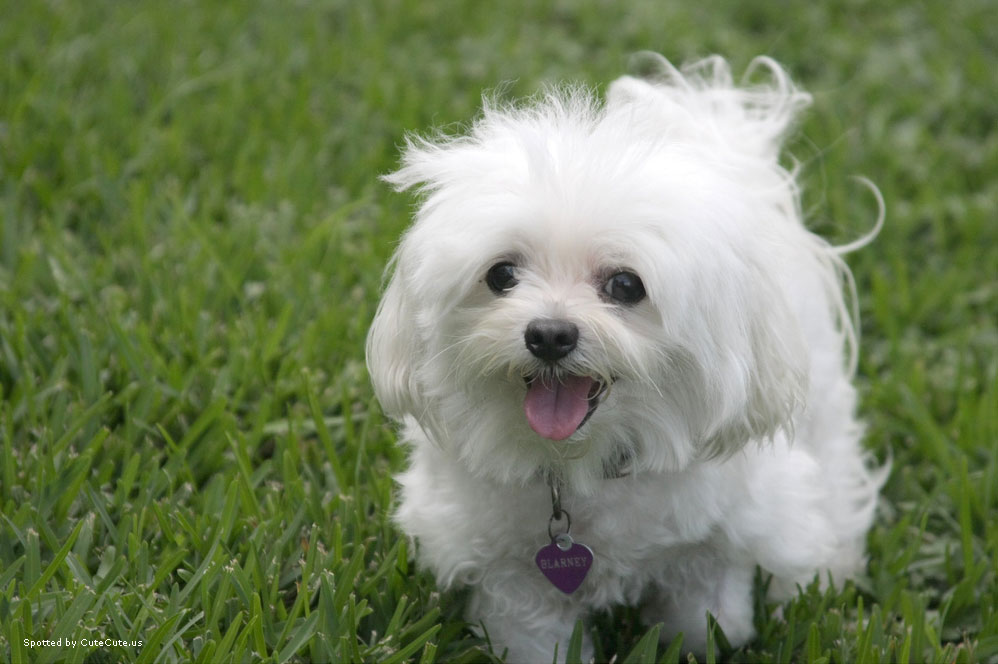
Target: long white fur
730, 382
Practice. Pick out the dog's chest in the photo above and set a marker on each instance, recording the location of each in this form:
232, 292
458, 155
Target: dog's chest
636, 530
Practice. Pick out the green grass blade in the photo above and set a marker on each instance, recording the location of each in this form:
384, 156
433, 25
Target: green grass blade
55, 563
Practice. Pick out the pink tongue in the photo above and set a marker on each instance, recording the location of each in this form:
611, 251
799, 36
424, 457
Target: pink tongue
555, 409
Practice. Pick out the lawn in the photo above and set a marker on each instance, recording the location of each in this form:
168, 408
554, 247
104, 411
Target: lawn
192, 235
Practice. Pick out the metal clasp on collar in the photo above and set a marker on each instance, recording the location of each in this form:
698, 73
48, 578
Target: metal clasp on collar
557, 512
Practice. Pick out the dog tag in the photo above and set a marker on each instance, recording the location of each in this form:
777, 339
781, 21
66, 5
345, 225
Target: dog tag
564, 562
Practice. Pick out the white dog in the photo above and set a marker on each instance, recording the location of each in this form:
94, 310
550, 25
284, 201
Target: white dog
621, 362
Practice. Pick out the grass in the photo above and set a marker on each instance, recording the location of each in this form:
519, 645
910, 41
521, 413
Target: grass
191, 240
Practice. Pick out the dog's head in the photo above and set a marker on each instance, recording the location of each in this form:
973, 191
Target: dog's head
586, 279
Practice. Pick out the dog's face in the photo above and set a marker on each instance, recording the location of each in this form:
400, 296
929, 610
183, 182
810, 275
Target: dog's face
574, 289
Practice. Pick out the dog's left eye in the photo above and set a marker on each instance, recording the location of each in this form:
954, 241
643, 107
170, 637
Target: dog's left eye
625, 287
501, 277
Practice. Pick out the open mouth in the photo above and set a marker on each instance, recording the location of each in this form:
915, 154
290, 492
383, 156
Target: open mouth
557, 406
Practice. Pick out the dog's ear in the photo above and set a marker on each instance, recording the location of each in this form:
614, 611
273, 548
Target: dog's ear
392, 351
763, 380
778, 381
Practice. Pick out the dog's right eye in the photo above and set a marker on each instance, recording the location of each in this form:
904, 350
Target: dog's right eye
501, 277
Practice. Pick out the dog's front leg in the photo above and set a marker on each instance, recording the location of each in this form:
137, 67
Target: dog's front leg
525, 619
708, 583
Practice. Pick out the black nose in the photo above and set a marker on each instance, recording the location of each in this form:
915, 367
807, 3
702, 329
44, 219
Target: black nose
551, 339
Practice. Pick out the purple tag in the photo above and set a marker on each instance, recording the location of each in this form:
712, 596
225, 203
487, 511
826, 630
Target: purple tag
565, 563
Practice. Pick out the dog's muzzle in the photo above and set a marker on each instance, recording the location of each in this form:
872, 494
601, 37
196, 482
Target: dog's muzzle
557, 404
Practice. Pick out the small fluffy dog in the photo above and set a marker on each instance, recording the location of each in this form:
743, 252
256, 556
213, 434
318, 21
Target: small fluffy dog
621, 362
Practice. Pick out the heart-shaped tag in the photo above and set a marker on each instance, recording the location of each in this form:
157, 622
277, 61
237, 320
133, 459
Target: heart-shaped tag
565, 563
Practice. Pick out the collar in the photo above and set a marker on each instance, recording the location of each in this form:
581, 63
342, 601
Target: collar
619, 464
